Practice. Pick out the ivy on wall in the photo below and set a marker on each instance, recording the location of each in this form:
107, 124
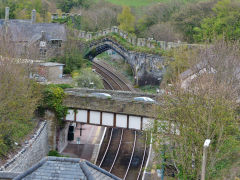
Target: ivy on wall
53, 96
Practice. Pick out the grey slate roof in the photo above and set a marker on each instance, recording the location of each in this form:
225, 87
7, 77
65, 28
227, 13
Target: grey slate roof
60, 168
24, 30
8, 175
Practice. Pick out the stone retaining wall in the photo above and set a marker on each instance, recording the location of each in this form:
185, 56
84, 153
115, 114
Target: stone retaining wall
33, 151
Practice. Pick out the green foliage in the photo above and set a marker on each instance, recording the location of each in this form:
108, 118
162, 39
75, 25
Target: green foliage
224, 24
140, 3
54, 153
126, 20
53, 100
177, 61
86, 78
123, 42
189, 17
21, 9
66, 6
64, 86
149, 89
73, 60
70, 21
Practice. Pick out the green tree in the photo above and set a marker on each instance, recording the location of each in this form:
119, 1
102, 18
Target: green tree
225, 23
126, 20
67, 5
190, 17
72, 57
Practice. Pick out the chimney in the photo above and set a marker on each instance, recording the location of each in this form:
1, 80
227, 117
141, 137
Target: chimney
43, 33
33, 19
6, 14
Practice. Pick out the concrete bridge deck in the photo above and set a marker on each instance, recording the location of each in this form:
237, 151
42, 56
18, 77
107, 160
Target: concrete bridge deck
121, 110
121, 102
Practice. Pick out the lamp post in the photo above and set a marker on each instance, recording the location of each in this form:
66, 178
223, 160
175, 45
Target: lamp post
204, 161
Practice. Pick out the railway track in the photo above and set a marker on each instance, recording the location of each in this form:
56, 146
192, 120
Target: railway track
110, 79
123, 151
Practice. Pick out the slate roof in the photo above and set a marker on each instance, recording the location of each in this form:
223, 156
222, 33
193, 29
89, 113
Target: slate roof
24, 30
61, 168
8, 175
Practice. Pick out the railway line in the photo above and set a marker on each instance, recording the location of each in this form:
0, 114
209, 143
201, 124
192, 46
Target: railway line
123, 152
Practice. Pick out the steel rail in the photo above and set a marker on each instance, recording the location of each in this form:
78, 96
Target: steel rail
135, 139
109, 142
108, 76
144, 155
112, 76
117, 152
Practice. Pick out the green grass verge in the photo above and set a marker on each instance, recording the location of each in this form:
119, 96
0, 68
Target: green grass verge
149, 89
141, 3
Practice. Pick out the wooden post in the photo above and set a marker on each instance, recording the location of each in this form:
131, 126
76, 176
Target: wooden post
204, 161
100, 118
88, 116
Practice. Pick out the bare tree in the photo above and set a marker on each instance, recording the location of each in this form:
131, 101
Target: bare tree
207, 109
99, 16
19, 97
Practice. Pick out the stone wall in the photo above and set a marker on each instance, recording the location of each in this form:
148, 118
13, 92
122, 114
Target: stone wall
62, 138
141, 42
57, 140
114, 93
33, 151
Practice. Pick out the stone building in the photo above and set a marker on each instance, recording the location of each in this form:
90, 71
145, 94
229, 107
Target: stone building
50, 71
29, 39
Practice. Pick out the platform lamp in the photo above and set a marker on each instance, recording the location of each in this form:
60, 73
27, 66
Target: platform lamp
204, 161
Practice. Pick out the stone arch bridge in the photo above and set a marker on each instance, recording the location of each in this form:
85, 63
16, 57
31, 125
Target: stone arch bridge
147, 68
144, 55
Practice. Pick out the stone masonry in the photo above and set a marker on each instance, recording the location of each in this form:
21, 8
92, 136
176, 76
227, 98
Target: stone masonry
34, 150
78, 100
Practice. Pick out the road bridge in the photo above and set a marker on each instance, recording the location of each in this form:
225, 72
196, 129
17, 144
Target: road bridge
118, 111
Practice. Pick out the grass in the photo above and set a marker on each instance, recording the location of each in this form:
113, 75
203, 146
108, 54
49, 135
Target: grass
149, 89
141, 3
134, 3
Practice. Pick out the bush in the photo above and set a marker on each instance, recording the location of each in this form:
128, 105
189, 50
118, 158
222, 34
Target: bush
88, 79
54, 153
53, 100
73, 60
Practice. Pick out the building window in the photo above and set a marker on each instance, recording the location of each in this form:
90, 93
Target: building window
56, 43
43, 52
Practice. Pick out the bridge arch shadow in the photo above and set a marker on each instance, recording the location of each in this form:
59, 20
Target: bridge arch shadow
98, 47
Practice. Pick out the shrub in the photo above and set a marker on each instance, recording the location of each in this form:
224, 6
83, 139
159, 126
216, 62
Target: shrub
53, 100
88, 79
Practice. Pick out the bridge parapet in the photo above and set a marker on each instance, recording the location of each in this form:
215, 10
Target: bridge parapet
133, 40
